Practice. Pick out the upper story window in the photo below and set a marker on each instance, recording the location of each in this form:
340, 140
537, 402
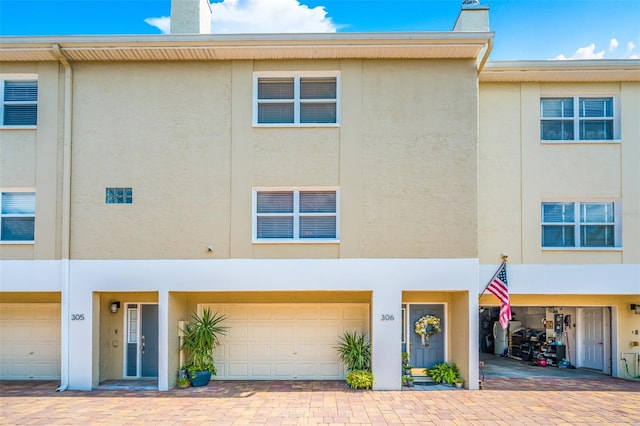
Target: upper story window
17, 220
581, 224
118, 195
295, 215
19, 102
307, 99
578, 118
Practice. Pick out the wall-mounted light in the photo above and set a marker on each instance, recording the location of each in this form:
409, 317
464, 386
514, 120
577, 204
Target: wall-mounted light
635, 307
114, 307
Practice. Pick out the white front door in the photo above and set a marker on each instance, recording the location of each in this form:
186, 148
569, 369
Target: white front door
592, 338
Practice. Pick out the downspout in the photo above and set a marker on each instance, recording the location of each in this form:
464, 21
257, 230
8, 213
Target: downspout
66, 216
485, 56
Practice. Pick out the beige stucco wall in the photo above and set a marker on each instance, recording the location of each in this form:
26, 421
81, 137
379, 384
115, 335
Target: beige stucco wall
517, 172
181, 135
164, 131
30, 159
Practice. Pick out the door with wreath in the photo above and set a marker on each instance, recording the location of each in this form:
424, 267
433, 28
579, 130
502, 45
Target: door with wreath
428, 349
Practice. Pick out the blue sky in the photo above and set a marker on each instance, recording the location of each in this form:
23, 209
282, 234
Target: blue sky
534, 29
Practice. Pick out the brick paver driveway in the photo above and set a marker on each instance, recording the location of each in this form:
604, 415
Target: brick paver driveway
503, 401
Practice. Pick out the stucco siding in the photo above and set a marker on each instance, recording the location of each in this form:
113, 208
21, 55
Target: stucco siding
518, 172
419, 159
163, 130
30, 160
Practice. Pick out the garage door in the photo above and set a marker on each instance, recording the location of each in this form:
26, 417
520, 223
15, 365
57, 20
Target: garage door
285, 341
29, 341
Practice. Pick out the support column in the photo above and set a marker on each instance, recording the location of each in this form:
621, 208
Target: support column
163, 341
386, 329
82, 314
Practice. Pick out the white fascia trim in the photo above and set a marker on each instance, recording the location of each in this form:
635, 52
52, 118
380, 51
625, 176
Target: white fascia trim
587, 279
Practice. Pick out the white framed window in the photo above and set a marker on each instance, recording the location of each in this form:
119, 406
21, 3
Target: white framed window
19, 106
581, 224
296, 99
17, 216
300, 214
579, 118
132, 323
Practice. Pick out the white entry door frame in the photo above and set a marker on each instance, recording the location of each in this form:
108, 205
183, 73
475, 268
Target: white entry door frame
594, 338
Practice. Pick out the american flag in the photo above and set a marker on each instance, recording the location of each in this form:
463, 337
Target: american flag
498, 287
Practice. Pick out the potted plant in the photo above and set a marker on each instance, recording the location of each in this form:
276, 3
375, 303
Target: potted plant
458, 382
406, 367
183, 381
408, 381
444, 372
354, 351
360, 379
201, 336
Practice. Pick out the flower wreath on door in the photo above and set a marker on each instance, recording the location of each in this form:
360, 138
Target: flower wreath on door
427, 327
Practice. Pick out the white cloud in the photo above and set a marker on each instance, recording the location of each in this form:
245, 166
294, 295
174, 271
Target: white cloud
163, 24
613, 44
261, 16
587, 52
630, 47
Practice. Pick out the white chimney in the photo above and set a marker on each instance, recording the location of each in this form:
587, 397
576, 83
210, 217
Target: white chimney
473, 17
190, 17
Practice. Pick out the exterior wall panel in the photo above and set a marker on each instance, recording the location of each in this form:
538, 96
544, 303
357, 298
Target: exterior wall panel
163, 130
419, 159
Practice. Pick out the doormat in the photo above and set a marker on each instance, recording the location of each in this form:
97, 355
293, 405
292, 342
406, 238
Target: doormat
426, 383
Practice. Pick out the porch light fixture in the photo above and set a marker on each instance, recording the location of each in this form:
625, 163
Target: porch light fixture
635, 307
114, 307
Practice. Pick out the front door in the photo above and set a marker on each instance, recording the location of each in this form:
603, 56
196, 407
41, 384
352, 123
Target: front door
426, 356
592, 338
142, 340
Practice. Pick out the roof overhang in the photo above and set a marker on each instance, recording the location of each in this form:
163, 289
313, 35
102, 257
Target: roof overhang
561, 71
418, 45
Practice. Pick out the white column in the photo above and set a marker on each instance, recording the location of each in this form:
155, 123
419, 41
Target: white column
163, 340
386, 329
81, 316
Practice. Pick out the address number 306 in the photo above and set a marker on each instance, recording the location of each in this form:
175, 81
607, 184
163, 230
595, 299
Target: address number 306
386, 317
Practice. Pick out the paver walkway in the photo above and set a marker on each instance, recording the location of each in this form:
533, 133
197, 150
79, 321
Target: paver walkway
504, 401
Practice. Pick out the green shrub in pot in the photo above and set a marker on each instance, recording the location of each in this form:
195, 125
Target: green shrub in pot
201, 336
355, 351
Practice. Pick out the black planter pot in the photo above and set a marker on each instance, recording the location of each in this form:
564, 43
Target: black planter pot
199, 378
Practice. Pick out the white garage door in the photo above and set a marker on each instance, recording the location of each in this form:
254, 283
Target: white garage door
285, 341
29, 341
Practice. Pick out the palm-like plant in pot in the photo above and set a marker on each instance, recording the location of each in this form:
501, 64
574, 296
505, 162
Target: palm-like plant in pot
354, 351
200, 337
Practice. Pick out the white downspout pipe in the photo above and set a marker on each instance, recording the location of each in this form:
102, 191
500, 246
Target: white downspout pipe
66, 216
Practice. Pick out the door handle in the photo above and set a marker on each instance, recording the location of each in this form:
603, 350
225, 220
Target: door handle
142, 344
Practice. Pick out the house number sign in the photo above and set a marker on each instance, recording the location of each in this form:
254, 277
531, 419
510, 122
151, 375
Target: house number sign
77, 317
386, 317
